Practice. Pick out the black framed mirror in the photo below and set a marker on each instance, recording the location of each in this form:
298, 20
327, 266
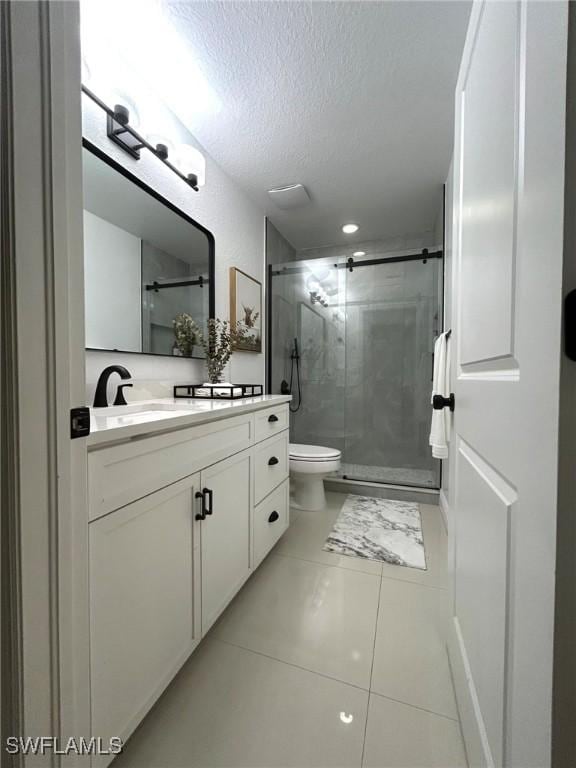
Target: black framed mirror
145, 262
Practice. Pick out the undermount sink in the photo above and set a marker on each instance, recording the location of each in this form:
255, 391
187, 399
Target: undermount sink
138, 408
137, 413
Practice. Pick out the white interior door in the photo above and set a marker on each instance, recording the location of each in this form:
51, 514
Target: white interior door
508, 236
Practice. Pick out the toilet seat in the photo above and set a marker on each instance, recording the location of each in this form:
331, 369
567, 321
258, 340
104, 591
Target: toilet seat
313, 453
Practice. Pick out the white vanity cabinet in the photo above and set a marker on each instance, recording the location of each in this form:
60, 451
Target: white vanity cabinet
144, 602
179, 520
225, 553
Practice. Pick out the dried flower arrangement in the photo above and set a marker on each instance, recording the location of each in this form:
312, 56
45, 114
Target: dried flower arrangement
186, 333
218, 343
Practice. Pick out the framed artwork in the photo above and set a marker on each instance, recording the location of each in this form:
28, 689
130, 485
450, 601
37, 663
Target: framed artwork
246, 309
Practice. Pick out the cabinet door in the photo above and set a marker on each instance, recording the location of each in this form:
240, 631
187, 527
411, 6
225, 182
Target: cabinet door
145, 603
225, 534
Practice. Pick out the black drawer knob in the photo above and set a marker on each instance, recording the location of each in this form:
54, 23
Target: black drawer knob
272, 418
272, 461
273, 517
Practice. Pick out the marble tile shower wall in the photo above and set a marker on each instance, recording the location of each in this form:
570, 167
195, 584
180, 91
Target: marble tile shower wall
366, 359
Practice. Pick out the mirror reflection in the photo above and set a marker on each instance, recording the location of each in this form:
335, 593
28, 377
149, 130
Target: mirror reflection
144, 264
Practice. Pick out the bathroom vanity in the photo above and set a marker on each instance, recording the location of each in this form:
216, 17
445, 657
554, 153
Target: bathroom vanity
186, 499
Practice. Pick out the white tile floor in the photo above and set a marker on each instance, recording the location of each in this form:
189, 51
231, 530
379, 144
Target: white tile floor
321, 660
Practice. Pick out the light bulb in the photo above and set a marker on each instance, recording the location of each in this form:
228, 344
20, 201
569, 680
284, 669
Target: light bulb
313, 285
157, 138
349, 229
188, 159
120, 98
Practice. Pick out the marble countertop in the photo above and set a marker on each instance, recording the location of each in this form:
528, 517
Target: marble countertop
147, 417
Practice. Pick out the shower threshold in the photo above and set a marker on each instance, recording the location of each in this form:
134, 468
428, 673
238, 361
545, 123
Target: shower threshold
407, 476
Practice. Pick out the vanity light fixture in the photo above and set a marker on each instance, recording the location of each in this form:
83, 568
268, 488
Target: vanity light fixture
319, 297
124, 135
349, 229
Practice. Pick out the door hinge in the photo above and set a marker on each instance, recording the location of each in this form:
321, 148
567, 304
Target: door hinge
79, 422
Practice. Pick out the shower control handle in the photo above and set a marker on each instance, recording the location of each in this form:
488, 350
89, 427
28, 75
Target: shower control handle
439, 402
272, 418
273, 517
272, 461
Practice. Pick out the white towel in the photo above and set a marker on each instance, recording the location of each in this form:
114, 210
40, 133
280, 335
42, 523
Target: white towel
440, 428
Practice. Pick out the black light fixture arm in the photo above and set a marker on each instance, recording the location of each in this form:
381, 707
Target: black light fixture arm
118, 125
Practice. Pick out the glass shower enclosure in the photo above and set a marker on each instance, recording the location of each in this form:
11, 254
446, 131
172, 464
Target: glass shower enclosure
361, 370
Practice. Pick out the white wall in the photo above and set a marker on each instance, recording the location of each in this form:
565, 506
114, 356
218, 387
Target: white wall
238, 228
111, 285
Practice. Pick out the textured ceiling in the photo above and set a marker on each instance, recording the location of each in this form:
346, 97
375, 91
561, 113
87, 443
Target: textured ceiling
352, 99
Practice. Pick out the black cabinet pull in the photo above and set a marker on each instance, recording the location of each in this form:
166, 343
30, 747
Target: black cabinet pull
207, 494
272, 418
272, 461
273, 517
200, 515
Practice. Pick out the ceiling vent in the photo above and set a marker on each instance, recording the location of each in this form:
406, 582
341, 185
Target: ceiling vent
293, 196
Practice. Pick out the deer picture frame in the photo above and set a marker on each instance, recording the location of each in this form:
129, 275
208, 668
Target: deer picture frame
246, 309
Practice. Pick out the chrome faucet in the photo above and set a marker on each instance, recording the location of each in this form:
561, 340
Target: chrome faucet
100, 396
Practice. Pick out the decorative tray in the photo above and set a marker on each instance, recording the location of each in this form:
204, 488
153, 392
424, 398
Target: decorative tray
218, 391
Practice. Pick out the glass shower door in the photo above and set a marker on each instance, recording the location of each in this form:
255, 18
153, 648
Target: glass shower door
306, 306
392, 318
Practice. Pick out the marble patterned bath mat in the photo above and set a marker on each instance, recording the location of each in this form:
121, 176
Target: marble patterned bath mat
379, 529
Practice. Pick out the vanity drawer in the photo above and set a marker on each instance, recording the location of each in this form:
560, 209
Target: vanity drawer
270, 521
271, 421
120, 474
270, 465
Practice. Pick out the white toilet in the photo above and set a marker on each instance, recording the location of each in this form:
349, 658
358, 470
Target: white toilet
309, 465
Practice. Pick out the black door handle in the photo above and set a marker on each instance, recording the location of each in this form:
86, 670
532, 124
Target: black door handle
272, 418
439, 402
272, 461
273, 517
207, 493
201, 515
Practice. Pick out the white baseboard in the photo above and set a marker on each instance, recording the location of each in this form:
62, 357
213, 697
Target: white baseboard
474, 733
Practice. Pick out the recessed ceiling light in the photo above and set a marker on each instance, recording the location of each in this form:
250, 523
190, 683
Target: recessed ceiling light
349, 229
359, 253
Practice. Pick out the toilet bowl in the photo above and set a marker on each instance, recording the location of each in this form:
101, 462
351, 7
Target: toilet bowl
309, 465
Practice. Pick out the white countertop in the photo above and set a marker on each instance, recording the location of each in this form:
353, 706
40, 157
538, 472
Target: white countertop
123, 422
